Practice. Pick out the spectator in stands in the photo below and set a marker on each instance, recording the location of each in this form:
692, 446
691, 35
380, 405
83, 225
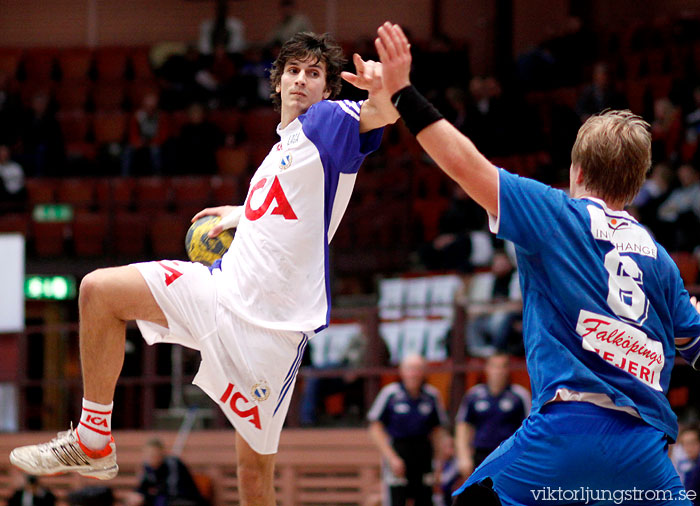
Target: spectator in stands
449, 472
91, 496
487, 117
689, 439
197, 144
495, 309
456, 106
600, 94
666, 130
42, 140
293, 21
165, 480
178, 85
489, 413
222, 81
452, 248
692, 119
13, 194
682, 209
223, 30
655, 190
32, 494
10, 111
148, 130
406, 424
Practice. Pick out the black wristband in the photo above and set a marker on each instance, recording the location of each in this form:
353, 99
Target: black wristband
415, 109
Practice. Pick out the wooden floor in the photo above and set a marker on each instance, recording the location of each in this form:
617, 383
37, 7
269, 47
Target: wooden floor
314, 466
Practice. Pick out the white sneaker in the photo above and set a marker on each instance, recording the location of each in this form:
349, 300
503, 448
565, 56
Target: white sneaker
65, 453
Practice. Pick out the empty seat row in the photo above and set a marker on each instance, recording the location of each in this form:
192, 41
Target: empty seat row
184, 194
122, 234
105, 63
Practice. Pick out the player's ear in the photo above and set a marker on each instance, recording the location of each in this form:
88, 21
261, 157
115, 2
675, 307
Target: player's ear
326, 94
278, 87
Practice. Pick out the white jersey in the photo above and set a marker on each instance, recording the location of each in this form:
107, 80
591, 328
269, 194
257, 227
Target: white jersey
276, 270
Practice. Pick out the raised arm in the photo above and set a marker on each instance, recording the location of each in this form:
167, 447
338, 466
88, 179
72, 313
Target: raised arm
377, 111
452, 151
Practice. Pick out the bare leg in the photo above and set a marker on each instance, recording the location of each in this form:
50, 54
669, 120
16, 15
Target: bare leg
255, 475
108, 299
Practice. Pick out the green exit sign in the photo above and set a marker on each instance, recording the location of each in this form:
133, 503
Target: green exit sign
52, 212
39, 287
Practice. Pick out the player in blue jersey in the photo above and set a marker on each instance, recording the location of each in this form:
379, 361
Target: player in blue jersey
407, 421
604, 312
489, 413
251, 314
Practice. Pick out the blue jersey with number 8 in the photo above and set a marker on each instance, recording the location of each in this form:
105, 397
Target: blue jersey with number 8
603, 302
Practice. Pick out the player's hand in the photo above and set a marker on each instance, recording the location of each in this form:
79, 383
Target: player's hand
368, 76
398, 467
696, 304
395, 54
230, 217
465, 467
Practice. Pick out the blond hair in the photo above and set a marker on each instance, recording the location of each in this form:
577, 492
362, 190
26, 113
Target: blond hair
613, 150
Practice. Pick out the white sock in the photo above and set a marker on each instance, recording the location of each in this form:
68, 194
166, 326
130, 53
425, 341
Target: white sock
95, 427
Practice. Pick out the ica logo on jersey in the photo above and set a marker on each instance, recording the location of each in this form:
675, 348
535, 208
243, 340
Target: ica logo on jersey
274, 193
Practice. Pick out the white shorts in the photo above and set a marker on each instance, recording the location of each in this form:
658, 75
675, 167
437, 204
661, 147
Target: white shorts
248, 370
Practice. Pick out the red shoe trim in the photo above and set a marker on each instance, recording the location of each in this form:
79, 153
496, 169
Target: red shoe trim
95, 454
102, 432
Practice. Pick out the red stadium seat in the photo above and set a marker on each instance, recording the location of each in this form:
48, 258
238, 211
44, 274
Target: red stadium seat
129, 233
137, 90
109, 96
228, 120
111, 63
72, 95
687, 265
141, 63
89, 233
235, 161
74, 64
78, 192
226, 191
168, 235
39, 64
49, 238
152, 193
41, 191
110, 127
14, 222
75, 125
260, 125
122, 193
191, 194
103, 193
9, 61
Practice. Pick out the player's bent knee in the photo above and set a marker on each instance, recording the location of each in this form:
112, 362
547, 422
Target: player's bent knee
91, 287
481, 494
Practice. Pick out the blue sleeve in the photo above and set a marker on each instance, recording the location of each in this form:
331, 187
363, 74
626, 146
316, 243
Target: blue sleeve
334, 127
528, 211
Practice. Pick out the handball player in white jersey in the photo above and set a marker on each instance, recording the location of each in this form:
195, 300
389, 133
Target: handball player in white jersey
251, 314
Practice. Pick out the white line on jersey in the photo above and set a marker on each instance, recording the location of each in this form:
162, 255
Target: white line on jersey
348, 110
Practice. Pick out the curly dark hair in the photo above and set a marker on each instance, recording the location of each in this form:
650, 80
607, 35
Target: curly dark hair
303, 46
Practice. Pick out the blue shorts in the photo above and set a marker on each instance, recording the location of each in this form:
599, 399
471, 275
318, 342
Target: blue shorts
580, 453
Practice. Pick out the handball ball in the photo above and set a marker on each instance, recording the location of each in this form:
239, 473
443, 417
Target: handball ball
202, 248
